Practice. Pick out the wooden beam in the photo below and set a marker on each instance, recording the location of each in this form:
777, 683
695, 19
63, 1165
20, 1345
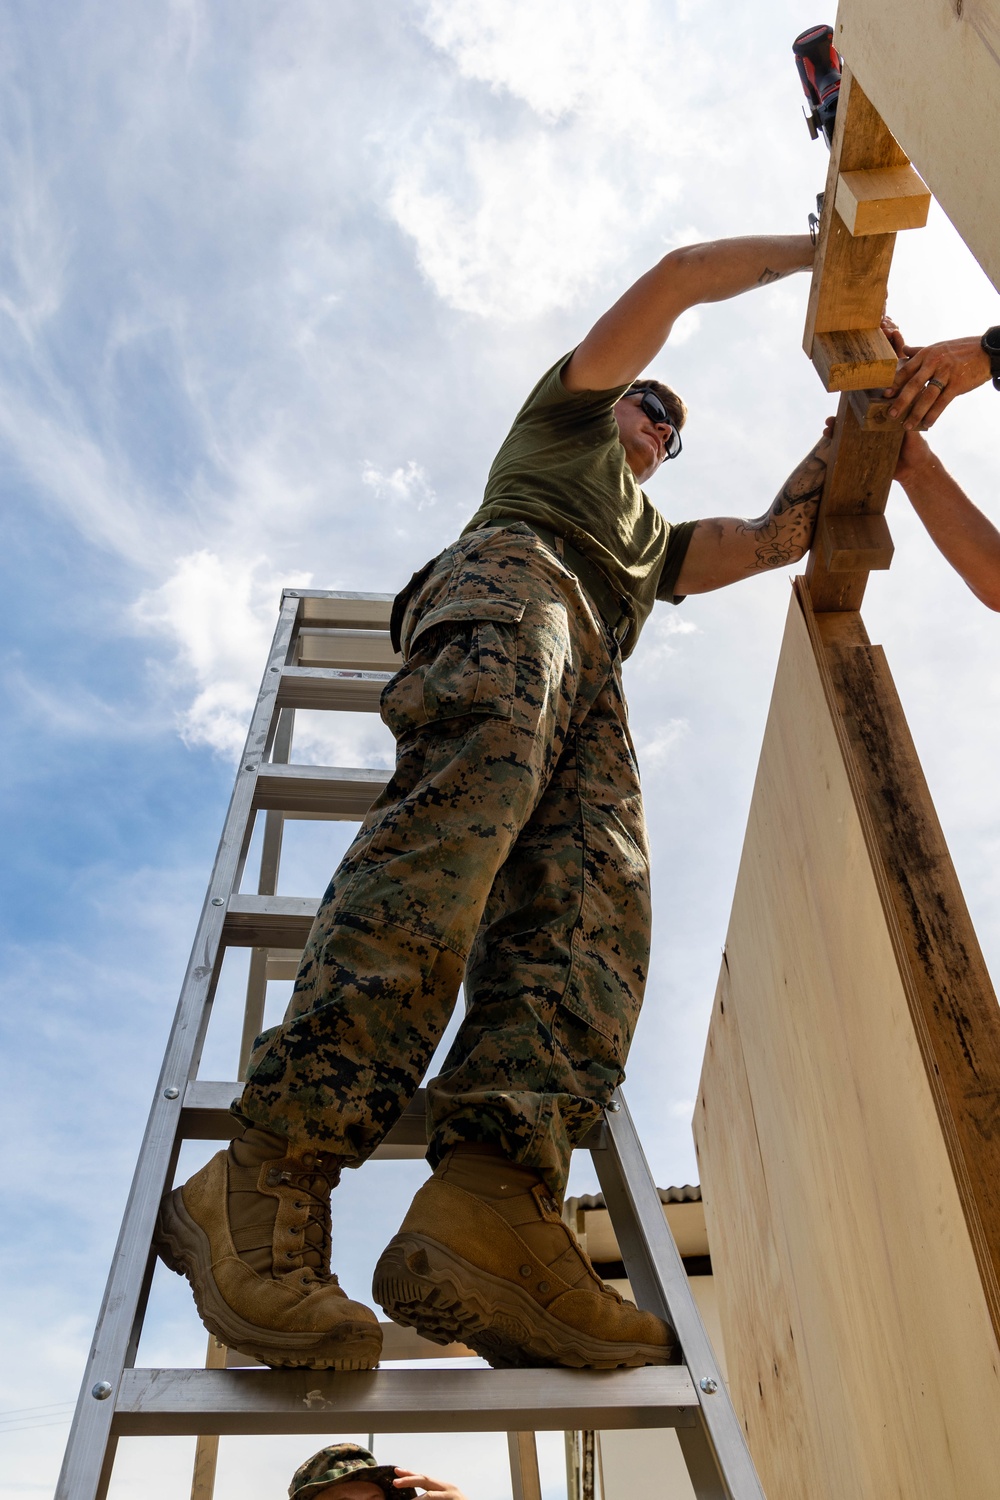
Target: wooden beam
882, 200
851, 544
850, 274
872, 410
854, 360
858, 479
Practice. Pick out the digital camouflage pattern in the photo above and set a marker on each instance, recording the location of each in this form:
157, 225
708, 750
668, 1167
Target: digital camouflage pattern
344, 1461
509, 846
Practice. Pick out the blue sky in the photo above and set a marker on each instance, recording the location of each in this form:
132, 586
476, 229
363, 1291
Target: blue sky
273, 281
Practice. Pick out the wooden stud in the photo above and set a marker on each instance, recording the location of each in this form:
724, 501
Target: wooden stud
882, 200
854, 360
859, 475
851, 543
872, 410
849, 275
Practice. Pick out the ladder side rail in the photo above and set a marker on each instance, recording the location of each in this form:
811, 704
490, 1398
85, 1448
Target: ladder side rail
522, 1450
206, 1452
267, 885
87, 1462
715, 1450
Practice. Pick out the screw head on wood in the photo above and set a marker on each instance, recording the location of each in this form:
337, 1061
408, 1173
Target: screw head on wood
708, 1385
171, 1093
102, 1390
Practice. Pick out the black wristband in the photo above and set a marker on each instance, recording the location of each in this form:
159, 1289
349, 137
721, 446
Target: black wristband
990, 343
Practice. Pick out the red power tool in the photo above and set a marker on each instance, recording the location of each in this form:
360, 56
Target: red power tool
819, 67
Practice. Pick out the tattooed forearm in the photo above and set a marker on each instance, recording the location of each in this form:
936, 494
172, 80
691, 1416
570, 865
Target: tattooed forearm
767, 276
784, 533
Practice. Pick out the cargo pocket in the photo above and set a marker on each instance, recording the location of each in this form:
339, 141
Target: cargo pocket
461, 659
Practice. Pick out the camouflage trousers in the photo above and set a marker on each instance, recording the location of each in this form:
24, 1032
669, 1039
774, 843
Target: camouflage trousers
508, 849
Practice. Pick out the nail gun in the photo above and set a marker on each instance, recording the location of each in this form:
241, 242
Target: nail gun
819, 67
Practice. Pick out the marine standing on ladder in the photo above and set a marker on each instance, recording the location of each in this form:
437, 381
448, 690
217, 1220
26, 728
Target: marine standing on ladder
509, 851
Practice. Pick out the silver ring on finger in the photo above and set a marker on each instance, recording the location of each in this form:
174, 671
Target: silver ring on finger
934, 381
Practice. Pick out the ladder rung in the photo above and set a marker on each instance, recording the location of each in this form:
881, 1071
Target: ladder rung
206, 1117
319, 791
346, 611
358, 649
325, 687
397, 1343
174, 1402
269, 921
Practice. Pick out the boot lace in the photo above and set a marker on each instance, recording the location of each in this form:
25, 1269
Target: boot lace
313, 1178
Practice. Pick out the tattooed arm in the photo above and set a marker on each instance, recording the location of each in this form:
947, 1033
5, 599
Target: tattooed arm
632, 332
724, 550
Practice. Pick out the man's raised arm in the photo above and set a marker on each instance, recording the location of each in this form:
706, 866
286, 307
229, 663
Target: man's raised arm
632, 332
958, 528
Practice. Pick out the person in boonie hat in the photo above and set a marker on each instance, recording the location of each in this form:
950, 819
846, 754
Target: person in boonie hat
346, 1471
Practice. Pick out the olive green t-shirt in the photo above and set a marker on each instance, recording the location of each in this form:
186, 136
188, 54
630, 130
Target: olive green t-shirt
562, 466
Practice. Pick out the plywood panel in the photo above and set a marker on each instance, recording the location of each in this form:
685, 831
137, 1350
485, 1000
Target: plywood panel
932, 70
862, 1272
766, 1379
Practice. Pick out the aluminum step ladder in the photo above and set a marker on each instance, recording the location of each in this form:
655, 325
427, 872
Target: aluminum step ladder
331, 651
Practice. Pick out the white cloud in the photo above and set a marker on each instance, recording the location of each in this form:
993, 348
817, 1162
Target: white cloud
619, 65
516, 223
489, 248
407, 486
219, 616
657, 749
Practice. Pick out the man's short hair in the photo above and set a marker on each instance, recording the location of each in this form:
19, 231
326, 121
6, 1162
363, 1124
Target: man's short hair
675, 407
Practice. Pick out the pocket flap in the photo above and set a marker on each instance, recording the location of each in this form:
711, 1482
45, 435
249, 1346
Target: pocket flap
457, 611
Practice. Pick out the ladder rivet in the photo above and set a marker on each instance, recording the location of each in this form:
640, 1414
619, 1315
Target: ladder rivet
614, 1107
171, 1093
218, 901
274, 669
708, 1385
102, 1390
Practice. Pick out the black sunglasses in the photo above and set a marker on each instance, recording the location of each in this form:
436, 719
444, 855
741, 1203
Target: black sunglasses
657, 412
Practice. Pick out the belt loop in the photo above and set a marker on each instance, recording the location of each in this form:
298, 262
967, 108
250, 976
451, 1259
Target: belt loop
558, 546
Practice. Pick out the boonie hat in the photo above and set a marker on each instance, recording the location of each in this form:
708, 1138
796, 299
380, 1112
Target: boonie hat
344, 1461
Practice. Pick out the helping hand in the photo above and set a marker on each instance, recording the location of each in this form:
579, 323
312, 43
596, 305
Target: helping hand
436, 1487
929, 378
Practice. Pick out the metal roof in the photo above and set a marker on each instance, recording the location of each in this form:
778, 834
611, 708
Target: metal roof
690, 1193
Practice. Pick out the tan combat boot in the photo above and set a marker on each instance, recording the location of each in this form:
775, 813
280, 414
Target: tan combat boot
484, 1258
251, 1232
